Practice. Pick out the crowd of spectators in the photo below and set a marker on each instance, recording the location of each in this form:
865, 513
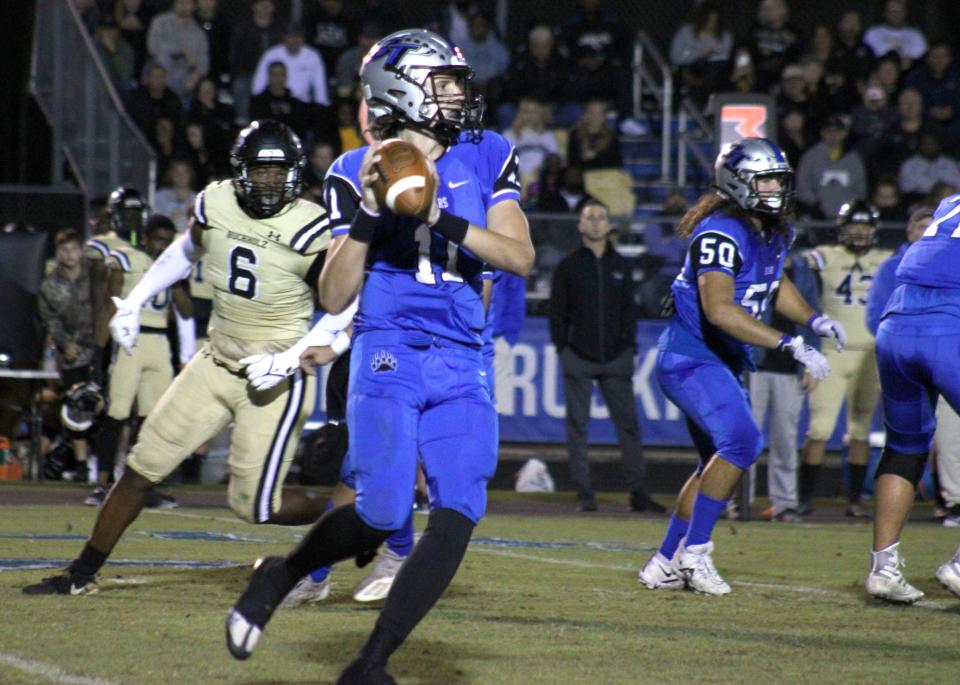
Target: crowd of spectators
867, 108
191, 74
857, 104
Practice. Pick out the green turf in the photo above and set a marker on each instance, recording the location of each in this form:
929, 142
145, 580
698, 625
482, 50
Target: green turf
514, 614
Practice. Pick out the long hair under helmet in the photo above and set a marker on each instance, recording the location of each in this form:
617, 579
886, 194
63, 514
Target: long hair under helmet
740, 167
397, 76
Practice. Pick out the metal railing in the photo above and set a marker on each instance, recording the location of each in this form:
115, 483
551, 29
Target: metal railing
92, 134
689, 111
662, 91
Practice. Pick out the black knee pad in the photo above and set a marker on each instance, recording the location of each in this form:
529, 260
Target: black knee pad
907, 466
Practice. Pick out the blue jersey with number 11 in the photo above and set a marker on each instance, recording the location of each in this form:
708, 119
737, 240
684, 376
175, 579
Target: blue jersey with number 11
416, 279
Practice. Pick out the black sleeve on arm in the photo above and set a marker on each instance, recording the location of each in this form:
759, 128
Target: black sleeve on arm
509, 176
341, 200
715, 252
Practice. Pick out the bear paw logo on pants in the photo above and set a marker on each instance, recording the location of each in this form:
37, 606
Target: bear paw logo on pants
383, 361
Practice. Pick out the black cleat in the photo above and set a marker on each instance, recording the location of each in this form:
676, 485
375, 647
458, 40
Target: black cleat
360, 672
268, 585
64, 584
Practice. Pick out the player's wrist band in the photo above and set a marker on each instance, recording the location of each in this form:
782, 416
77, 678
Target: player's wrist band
340, 344
364, 225
812, 319
451, 227
784, 343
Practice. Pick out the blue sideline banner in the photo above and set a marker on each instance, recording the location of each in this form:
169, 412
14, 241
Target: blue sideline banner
529, 388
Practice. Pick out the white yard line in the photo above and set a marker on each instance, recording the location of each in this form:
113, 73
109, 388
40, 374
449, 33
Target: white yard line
49, 672
185, 515
295, 532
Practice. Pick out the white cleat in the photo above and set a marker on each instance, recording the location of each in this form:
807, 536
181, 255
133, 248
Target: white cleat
658, 574
887, 582
949, 575
376, 585
695, 565
307, 591
242, 636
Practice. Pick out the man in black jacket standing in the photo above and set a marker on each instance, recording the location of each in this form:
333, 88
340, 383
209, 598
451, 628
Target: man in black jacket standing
593, 320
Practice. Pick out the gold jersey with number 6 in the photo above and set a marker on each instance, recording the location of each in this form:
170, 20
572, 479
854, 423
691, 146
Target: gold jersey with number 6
262, 250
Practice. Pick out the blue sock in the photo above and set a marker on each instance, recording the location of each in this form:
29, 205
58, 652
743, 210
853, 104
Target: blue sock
318, 575
676, 529
706, 511
401, 542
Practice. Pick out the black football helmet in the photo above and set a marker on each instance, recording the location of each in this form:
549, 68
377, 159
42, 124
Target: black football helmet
81, 405
127, 212
266, 142
857, 225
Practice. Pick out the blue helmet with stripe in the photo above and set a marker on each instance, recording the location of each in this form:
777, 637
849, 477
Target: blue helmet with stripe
398, 79
743, 164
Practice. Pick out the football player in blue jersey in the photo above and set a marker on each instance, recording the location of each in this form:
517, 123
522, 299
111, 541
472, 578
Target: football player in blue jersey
739, 237
918, 356
416, 387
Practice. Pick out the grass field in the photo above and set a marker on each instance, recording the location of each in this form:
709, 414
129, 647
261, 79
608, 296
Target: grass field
539, 599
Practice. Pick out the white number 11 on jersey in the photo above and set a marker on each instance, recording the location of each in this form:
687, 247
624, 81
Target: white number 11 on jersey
425, 274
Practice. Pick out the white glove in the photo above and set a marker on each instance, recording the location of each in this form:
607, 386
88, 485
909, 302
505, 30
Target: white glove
266, 370
125, 325
817, 365
826, 327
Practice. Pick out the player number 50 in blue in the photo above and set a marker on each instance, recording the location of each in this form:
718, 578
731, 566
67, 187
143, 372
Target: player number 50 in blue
757, 297
712, 252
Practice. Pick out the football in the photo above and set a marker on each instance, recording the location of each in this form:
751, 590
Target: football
404, 185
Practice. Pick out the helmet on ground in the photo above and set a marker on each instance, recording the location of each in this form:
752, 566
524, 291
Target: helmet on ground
81, 405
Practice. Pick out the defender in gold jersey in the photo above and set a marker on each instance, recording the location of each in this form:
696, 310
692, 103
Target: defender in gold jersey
263, 250
144, 375
846, 271
126, 214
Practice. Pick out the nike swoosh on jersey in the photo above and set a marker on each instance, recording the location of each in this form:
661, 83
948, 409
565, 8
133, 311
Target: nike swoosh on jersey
457, 184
